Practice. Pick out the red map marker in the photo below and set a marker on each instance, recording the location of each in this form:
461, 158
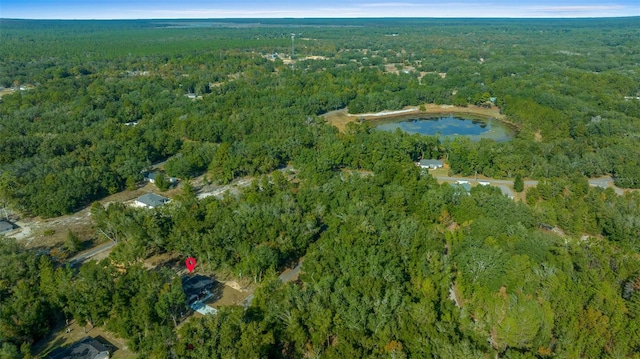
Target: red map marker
190, 263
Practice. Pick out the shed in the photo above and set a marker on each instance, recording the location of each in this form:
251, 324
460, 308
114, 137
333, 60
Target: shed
431, 164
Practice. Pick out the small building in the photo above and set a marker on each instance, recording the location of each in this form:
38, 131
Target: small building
152, 176
506, 191
87, 348
466, 187
431, 164
196, 287
150, 200
5, 227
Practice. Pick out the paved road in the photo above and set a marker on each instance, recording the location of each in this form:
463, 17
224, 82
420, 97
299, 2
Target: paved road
91, 253
490, 180
286, 276
603, 182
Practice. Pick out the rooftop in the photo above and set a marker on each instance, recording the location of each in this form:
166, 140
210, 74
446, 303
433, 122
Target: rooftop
196, 283
433, 164
5, 226
87, 348
152, 200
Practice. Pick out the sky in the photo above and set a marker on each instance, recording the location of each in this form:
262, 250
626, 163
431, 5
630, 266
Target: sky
165, 9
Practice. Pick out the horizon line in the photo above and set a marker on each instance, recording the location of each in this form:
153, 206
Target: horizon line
329, 18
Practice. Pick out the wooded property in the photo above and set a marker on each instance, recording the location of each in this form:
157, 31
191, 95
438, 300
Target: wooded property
395, 263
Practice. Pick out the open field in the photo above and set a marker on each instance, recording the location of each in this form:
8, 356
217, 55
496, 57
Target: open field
340, 118
59, 337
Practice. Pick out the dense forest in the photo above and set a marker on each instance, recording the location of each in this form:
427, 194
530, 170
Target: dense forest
395, 264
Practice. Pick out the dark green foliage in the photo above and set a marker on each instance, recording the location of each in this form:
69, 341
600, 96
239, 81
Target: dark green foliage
72, 243
161, 181
395, 264
518, 184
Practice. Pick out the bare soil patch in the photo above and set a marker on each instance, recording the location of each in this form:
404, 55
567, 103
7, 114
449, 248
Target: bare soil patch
538, 136
393, 68
59, 338
5, 92
228, 296
47, 233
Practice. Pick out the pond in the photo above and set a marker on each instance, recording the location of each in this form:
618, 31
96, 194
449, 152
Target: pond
451, 127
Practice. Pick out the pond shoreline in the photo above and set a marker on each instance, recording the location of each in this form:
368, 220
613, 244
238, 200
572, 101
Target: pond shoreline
340, 118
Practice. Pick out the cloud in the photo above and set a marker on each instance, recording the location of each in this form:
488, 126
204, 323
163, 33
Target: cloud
577, 8
392, 4
333, 9
257, 13
581, 10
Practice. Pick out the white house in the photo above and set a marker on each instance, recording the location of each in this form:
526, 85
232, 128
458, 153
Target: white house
150, 200
152, 176
431, 164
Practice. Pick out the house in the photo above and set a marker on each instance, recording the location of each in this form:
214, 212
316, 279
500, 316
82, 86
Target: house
196, 287
431, 164
87, 348
152, 176
150, 200
5, 227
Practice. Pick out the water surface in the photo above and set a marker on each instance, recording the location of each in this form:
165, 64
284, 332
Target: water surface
451, 127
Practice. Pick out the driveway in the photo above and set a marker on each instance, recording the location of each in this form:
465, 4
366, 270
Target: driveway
287, 276
81, 257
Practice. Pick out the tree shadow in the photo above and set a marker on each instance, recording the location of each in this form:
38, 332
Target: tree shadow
51, 348
216, 292
112, 348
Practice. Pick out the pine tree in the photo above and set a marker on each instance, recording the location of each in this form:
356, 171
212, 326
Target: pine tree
518, 184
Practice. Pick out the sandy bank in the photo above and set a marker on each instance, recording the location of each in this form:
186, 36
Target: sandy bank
340, 118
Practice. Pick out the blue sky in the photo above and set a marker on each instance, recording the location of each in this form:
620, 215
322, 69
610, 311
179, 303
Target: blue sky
144, 9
